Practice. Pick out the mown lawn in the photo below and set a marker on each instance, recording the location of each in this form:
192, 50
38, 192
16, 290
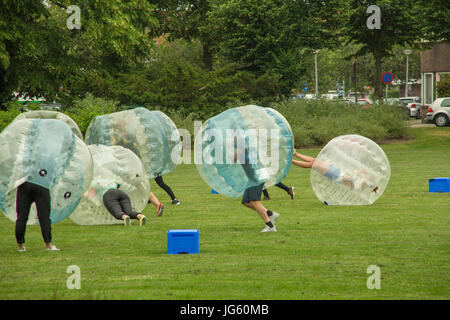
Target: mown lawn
319, 252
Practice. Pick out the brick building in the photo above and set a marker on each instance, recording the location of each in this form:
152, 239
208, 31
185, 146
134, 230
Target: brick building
433, 64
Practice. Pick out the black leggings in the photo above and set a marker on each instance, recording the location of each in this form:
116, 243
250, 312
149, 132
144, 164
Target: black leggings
27, 193
118, 203
279, 185
165, 187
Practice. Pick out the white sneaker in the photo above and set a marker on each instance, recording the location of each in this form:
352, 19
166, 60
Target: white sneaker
269, 229
23, 249
53, 248
274, 217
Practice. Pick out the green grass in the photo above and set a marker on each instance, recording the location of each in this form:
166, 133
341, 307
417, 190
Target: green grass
319, 252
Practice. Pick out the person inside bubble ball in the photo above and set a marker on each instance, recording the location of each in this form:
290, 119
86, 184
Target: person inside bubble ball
326, 169
118, 204
27, 193
334, 174
252, 195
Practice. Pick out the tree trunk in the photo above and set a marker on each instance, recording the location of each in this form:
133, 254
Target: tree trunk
378, 82
207, 57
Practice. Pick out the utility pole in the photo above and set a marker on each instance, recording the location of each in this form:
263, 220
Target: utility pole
355, 79
407, 52
315, 66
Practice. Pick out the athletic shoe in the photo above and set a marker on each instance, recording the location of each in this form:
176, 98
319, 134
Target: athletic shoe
274, 217
269, 229
23, 249
291, 192
53, 248
126, 220
143, 221
176, 202
160, 210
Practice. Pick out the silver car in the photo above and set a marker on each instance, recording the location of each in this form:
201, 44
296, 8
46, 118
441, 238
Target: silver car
412, 106
439, 112
414, 109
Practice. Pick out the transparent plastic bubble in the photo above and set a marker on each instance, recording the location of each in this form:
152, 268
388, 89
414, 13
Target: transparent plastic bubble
350, 170
244, 147
151, 135
48, 114
47, 153
113, 164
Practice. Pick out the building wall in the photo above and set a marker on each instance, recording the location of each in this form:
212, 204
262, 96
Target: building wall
413, 91
437, 59
433, 62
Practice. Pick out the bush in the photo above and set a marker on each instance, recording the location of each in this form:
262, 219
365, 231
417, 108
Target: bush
84, 110
315, 122
13, 109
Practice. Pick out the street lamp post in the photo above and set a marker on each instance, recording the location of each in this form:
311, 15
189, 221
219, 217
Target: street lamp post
407, 52
315, 67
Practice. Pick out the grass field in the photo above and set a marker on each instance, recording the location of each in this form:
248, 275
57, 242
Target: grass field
319, 252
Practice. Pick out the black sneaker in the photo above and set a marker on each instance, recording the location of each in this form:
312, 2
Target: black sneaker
176, 202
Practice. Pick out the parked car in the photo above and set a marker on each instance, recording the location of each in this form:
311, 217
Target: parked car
406, 100
392, 101
439, 112
411, 106
413, 110
50, 106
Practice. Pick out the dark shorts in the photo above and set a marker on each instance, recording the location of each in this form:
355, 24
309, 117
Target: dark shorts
253, 194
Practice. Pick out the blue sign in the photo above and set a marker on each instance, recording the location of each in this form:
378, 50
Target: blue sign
387, 77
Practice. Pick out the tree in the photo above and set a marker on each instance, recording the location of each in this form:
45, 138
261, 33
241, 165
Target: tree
399, 26
433, 17
185, 19
270, 36
39, 54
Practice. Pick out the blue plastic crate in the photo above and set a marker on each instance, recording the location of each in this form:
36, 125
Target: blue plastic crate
439, 185
183, 241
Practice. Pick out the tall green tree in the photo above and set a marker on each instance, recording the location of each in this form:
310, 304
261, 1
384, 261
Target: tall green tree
399, 26
270, 36
186, 19
39, 54
433, 17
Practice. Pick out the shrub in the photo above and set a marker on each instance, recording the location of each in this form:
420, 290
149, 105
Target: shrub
84, 110
13, 109
315, 122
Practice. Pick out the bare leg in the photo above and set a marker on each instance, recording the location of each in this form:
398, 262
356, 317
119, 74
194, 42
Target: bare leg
154, 200
259, 208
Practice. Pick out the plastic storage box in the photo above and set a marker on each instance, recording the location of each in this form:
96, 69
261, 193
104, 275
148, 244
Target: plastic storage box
439, 185
183, 241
